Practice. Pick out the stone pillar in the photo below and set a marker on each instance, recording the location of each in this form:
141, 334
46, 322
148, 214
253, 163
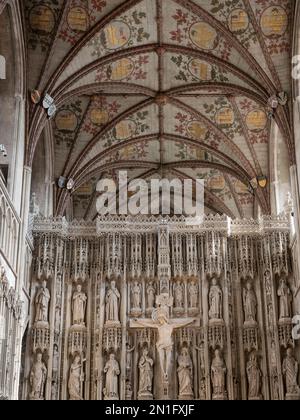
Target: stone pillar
21, 265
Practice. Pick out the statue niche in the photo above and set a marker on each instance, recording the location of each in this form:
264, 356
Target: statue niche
146, 376
151, 294
215, 302
285, 301
76, 379
38, 377
179, 300
218, 376
42, 301
185, 375
79, 302
112, 372
136, 299
129, 351
193, 291
254, 376
250, 305
290, 369
112, 305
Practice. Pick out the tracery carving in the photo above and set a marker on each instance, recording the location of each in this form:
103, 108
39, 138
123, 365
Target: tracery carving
218, 306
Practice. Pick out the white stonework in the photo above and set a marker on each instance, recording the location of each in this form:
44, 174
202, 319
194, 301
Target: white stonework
134, 336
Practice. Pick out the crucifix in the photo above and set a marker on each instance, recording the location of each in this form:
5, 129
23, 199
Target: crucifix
165, 328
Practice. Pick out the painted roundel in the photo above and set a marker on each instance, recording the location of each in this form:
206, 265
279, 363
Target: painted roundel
42, 19
225, 117
216, 183
125, 130
78, 19
66, 121
99, 116
274, 21
238, 21
197, 130
256, 120
200, 69
116, 35
120, 70
204, 36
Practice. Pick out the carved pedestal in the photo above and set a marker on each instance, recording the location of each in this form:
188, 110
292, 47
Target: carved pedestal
186, 397
220, 397
145, 396
112, 338
285, 328
41, 337
217, 333
292, 397
250, 337
77, 340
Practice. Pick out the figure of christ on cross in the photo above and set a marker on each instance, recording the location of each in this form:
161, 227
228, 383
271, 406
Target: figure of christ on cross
165, 329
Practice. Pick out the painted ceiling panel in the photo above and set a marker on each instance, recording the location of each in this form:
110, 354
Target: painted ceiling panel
142, 123
182, 69
136, 70
189, 29
166, 83
42, 19
128, 30
100, 111
78, 18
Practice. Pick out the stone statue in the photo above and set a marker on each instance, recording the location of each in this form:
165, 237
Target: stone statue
268, 283
129, 392
42, 301
97, 361
146, 376
79, 306
179, 295
165, 343
98, 317
250, 304
38, 377
112, 303
136, 296
112, 371
151, 295
185, 375
202, 391
58, 289
57, 319
254, 378
215, 301
285, 300
55, 363
274, 368
54, 387
270, 314
218, 375
193, 295
290, 369
129, 357
76, 379
276, 388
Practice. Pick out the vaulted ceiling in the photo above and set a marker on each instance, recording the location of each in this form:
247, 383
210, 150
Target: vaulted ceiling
173, 88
